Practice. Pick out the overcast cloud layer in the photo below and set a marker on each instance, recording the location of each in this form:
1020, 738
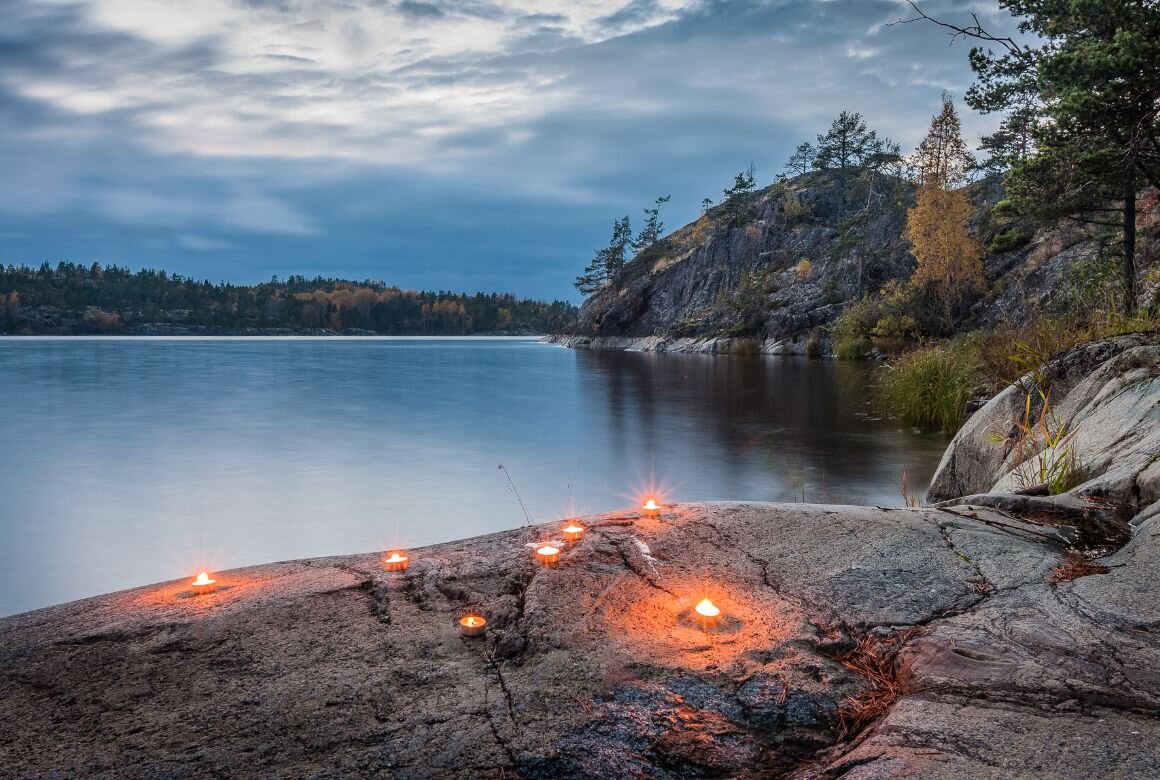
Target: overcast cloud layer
442, 144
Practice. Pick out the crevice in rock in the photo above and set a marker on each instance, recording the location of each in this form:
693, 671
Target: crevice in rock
504, 744
650, 579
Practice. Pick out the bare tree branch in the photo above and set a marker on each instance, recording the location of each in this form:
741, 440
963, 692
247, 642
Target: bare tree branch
975, 31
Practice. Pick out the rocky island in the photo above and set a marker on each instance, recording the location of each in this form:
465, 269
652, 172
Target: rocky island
997, 634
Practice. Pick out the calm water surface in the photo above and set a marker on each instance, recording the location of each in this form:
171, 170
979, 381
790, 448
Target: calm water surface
130, 461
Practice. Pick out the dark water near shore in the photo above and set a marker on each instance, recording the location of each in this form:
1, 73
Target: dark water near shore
129, 461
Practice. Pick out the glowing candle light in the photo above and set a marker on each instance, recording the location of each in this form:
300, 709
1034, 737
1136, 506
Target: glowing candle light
203, 584
707, 613
395, 561
573, 532
651, 508
472, 625
548, 554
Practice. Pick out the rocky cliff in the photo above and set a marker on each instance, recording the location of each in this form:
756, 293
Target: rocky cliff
776, 267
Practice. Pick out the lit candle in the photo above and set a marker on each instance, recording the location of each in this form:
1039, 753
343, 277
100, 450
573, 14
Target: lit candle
548, 554
707, 613
395, 561
203, 584
573, 532
651, 508
472, 625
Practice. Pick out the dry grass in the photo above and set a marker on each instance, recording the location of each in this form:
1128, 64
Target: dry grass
1074, 566
876, 659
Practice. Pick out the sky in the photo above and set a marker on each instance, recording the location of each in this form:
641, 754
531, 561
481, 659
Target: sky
459, 145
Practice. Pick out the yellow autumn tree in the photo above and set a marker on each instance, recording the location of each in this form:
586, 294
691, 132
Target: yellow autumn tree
950, 259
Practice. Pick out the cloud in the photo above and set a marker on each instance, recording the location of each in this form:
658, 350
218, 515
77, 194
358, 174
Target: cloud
323, 121
201, 243
420, 10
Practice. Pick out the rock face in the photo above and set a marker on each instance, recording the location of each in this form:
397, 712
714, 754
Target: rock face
1108, 393
853, 642
736, 276
738, 270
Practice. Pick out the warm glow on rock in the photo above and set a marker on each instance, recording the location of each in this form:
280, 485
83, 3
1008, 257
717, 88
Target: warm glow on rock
203, 579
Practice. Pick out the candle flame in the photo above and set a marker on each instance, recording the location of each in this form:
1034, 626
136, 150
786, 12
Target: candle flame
708, 608
472, 621
651, 504
573, 529
396, 558
203, 579
548, 549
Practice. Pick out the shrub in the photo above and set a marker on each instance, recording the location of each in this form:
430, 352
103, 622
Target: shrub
100, 321
1092, 286
830, 291
1009, 239
794, 208
852, 349
745, 346
891, 320
802, 270
1043, 450
814, 345
702, 229
931, 387
1004, 209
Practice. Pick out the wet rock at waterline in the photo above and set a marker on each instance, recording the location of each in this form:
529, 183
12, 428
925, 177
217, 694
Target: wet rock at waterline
943, 636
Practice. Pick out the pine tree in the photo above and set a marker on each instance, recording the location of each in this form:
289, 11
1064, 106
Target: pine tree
847, 144
608, 261
653, 226
802, 159
743, 183
1012, 143
942, 159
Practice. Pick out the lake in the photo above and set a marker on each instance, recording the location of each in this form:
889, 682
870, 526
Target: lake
127, 461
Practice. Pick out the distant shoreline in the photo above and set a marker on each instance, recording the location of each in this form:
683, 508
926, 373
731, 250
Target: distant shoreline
272, 333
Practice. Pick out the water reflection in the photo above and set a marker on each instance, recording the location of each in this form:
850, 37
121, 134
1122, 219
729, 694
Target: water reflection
772, 428
132, 461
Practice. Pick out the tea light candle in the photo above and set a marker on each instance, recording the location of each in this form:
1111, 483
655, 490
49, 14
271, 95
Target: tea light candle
203, 584
651, 508
707, 613
395, 561
548, 554
472, 625
573, 531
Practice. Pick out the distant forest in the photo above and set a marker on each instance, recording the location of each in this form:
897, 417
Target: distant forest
77, 299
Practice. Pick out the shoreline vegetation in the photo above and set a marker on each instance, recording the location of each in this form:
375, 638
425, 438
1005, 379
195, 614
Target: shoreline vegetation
73, 299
